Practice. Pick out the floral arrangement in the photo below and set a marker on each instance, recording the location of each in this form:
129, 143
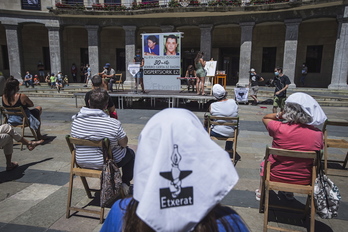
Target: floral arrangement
174, 3
224, 3
143, 5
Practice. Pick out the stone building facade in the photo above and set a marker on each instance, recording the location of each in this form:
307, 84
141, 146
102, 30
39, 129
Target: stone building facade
262, 36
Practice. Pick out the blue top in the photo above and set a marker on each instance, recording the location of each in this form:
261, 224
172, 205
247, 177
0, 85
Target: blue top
154, 51
114, 220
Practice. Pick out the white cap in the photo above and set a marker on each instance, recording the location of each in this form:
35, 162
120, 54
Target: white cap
252, 70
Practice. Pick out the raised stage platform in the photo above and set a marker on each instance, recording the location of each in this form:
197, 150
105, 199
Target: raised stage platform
173, 97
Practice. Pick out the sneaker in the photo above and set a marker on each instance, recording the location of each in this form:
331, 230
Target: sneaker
257, 194
125, 189
288, 195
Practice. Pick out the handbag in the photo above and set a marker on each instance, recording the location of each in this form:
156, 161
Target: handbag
111, 182
326, 196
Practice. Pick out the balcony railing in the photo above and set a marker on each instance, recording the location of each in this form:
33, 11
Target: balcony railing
164, 4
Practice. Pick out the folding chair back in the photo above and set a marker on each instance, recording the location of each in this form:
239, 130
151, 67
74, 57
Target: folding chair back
75, 170
119, 81
18, 111
226, 121
268, 185
334, 143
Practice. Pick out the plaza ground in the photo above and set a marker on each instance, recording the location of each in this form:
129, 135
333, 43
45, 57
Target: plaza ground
33, 196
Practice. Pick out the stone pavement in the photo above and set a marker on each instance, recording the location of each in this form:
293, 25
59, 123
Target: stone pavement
33, 196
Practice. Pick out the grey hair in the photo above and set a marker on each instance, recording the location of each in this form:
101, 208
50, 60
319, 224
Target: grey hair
293, 113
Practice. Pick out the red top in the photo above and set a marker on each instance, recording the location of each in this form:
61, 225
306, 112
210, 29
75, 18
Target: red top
293, 137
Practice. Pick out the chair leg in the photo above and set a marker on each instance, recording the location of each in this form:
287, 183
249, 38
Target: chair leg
325, 159
262, 198
312, 225
102, 209
345, 161
265, 218
85, 185
23, 128
71, 182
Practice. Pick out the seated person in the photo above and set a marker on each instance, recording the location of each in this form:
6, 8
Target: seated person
301, 113
97, 82
94, 124
36, 80
12, 98
7, 135
174, 154
223, 107
191, 72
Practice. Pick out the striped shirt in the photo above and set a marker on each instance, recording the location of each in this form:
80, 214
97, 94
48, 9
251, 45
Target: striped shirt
94, 124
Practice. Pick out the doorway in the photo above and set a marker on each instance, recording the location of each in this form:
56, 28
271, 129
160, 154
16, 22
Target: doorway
229, 62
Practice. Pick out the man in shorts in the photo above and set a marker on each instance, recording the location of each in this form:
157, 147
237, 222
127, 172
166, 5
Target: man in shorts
254, 85
281, 83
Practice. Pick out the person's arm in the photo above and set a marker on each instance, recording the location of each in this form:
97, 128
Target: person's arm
283, 89
202, 62
187, 73
26, 101
142, 62
271, 117
261, 79
123, 142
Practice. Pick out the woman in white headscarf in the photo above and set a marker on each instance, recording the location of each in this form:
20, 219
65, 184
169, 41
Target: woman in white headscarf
177, 185
301, 113
223, 107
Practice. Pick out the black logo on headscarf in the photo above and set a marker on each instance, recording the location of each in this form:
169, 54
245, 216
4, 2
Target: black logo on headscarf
175, 195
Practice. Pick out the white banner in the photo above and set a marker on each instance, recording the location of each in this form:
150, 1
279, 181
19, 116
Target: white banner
161, 52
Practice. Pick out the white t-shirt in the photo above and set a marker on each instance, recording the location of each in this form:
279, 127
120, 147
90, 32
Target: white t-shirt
227, 108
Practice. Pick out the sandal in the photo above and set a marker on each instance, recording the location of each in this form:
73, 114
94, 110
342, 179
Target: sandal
13, 166
257, 194
33, 144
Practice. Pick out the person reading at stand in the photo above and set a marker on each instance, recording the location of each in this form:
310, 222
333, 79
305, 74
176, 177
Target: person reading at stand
191, 73
178, 186
7, 135
301, 113
12, 98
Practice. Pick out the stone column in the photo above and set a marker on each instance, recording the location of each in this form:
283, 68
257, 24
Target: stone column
245, 53
54, 42
167, 28
340, 65
290, 49
130, 52
14, 48
93, 48
205, 46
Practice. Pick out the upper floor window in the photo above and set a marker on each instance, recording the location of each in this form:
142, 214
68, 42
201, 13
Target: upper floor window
113, 2
31, 4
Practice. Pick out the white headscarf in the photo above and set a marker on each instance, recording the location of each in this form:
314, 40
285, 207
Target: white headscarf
180, 174
308, 105
218, 91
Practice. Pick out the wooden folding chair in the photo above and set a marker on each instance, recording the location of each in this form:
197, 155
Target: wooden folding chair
18, 111
268, 185
226, 121
75, 170
334, 143
119, 81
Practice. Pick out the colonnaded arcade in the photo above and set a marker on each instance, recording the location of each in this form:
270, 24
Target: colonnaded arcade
240, 36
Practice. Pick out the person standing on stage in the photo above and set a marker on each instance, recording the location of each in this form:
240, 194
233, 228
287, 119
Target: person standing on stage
200, 72
138, 59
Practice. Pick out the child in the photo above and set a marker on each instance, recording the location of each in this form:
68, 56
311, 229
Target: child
53, 80
36, 80
59, 81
